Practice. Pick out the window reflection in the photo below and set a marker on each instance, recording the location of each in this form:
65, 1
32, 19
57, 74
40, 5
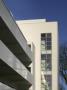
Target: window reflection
46, 64
46, 41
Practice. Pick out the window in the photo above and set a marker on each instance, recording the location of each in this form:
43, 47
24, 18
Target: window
45, 56
46, 62
46, 41
48, 83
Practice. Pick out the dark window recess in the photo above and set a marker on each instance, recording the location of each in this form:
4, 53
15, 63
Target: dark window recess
45, 56
29, 45
48, 43
48, 39
48, 47
29, 68
49, 35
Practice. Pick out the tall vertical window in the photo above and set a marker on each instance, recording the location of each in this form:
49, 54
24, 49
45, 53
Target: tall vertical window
46, 41
46, 58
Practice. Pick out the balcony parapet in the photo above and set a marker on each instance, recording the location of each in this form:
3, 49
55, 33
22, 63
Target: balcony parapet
14, 29
7, 56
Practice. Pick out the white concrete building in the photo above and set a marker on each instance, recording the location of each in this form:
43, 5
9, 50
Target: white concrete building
44, 36
16, 56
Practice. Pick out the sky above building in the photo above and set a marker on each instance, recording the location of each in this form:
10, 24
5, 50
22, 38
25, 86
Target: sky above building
51, 10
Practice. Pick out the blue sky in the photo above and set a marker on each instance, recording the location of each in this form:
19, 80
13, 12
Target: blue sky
52, 10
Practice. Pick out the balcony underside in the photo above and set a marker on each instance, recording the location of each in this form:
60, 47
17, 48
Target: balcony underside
11, 78
9, 58
10, 41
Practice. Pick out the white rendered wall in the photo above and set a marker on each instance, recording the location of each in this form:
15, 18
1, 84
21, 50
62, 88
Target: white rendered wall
32, 32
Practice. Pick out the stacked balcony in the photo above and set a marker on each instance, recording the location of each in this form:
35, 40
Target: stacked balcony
15, 55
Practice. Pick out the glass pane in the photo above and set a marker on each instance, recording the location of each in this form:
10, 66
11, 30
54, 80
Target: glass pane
43, 35
49, 35
48, 43
48, 39
48, 82
48, 47
43, 56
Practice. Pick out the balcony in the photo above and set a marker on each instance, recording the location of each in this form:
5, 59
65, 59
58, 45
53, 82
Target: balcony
12, 72
10, 40
12, 37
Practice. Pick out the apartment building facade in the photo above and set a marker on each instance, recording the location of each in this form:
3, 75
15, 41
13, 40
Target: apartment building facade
15, 54
44, 36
